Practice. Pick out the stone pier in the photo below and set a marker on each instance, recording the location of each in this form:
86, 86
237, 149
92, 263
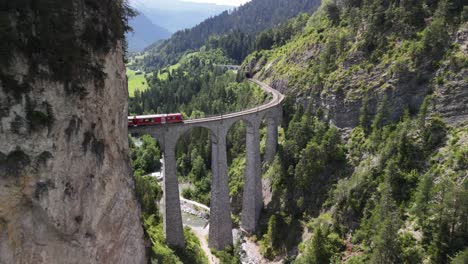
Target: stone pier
173, 217
271, 139
220, 233
252, 197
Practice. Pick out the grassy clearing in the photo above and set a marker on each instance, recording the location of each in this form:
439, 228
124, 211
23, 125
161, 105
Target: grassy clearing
136, 82
163, 74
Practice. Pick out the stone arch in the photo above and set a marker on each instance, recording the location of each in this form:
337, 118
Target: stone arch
220, 229
181, 130
198, 138
173, 228
236, 132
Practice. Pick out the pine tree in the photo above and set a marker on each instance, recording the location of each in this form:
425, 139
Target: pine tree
316, 252
269, 243
386, 249
423, 196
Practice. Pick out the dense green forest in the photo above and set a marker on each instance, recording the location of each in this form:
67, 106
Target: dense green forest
394, 193
240, 24
195, 81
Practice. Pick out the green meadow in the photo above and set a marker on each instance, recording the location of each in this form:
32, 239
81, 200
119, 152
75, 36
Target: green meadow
136, 82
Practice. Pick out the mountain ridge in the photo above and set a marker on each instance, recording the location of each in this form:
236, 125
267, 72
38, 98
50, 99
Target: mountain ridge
177, 15
248, 19
144, 33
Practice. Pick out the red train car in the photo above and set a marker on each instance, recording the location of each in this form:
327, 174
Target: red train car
149, 120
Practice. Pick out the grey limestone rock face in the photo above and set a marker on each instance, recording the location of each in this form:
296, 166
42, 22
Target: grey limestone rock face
451, 89
66, 188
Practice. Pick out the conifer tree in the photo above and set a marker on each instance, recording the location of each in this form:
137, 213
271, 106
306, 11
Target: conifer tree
386, 248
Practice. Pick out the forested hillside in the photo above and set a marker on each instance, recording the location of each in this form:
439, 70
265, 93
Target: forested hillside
247, 20
373, 165
352, 54
189, 85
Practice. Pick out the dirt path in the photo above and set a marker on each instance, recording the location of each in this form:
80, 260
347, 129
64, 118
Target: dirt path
202, 234
195, 203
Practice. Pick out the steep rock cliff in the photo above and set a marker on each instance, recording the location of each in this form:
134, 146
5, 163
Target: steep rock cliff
451, 88
66, 190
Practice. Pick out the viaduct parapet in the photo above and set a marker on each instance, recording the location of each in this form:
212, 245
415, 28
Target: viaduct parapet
220, 229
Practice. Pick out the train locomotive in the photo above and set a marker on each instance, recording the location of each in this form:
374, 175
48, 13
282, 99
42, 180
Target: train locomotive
149, 120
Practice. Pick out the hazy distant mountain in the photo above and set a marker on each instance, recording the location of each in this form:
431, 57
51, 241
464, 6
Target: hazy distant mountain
175, 15
243, 23
144, 33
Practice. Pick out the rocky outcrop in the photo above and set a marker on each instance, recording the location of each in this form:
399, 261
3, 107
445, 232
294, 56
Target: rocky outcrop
451, 88
352, 90
341, 103
66, 188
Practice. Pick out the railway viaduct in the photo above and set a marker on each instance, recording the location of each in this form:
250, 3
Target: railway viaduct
220, 229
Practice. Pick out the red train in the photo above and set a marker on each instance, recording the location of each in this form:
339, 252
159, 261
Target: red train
148, 120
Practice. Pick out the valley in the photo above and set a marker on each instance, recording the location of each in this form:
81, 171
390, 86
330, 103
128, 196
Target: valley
272, 131
342, 112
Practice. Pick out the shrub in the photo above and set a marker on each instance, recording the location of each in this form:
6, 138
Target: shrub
160, 252
464, 14
229, 256
333, 12
435, 133
460, 258
322, 247
269, 243
187, 193
435, 39
192, 253
148, 193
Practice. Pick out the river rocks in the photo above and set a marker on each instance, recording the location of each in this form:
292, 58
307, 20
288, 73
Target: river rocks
193, 209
